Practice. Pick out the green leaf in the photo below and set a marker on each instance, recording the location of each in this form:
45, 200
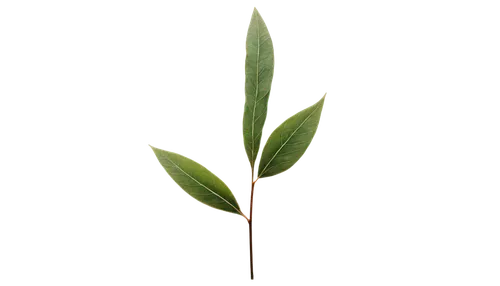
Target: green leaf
259, 69
290, 140
197, 181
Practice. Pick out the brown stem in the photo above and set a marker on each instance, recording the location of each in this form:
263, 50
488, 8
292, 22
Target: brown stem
252, 185
244, 216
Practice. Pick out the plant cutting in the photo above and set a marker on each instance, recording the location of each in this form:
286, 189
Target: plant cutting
283, 149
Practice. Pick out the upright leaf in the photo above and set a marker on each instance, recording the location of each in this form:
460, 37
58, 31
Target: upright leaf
197, 181
289, 141
259, 69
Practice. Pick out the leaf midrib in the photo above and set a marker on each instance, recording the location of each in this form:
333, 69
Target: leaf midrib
179, 168
256, 90
282, 145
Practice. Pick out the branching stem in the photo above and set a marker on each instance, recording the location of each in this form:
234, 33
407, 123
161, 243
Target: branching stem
250, 227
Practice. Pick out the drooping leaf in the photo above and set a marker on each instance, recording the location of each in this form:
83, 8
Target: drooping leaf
289, 141
197, 181
259, 69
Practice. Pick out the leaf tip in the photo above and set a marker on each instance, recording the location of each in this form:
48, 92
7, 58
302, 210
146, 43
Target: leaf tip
324, 94
150, 146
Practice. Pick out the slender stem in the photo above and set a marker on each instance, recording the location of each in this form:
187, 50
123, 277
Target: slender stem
251, 211
244, 216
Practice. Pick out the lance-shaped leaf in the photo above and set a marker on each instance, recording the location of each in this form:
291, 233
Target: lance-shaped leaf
197, 181
259, 69
289, 141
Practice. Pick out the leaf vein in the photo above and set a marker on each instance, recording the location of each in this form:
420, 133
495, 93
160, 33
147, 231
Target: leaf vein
180, 169
281, 147
256, 92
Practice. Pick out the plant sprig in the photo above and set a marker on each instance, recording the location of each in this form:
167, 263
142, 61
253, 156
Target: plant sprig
267, 157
